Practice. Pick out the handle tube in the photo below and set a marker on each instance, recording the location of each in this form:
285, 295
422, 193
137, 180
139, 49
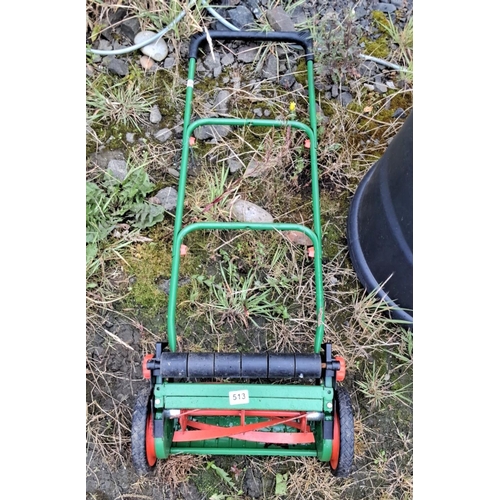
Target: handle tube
302, 38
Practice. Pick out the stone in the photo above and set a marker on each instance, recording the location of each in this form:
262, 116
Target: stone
118, 169
147, 63
270, 69
155, 115
118, 67
386, 7
345, 98
367, 68
234, 164
221, 103
163, 135
247, 54
399, 113
166, 197
211, 132
169, 63
380, 88
259, 168
130, 28
157, 50
280, 20
241, 17
246, 211
298, 237
287, 81
227, 59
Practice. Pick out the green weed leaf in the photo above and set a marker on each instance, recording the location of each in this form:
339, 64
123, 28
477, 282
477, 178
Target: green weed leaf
281, 483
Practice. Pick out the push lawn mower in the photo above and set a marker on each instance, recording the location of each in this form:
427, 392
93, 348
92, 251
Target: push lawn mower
176, 413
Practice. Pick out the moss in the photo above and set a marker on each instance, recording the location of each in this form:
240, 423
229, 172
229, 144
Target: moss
149, 262
301, 74
377, 48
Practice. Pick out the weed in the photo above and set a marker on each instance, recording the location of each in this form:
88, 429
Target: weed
123, 102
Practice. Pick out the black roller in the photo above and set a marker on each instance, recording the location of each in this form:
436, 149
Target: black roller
173, 365
201, 365
307, 366
238, 365
227, 365
254, 365
281, 365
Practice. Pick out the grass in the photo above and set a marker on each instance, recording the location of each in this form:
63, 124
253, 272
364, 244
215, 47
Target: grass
240, 290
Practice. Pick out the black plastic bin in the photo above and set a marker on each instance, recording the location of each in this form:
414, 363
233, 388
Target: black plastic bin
380, 226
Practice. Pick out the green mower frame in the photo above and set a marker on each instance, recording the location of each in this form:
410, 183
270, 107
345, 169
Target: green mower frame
176, 413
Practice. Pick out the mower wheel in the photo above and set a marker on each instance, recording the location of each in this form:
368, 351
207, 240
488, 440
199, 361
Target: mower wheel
143, 453
343, 448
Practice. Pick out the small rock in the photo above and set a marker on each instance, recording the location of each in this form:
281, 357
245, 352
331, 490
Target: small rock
253, 5
380, 88
213, 64
211, 132
166, 197
241, 16
103, 158
227, 59
258, 168
118, 67
173, 172
169, 63
287, 81
118, 169
247, 54
246, 211
397, 3
385, 7
280, 20
368, 68
130, 137
155, 115
270, 69
157, 50
147, 63
298, 237
163, 135
257, 112
104, 45
222, 101
345, 98
399, 113
335, 90
234, 164
130, 28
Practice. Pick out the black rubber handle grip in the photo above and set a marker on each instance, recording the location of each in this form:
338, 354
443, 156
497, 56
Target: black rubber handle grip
302, 38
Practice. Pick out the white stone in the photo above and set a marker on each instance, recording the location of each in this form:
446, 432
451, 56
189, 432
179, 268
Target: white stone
246, 211
157, 50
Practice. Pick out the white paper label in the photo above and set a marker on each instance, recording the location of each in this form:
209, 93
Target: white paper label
238, 397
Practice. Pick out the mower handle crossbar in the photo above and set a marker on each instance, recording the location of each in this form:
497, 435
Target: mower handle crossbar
302, 38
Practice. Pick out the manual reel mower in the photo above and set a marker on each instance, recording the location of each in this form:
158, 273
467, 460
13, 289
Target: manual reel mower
183, 409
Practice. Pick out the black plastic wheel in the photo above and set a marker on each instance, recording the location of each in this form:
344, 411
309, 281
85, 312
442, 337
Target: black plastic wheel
142, 411
343, 409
